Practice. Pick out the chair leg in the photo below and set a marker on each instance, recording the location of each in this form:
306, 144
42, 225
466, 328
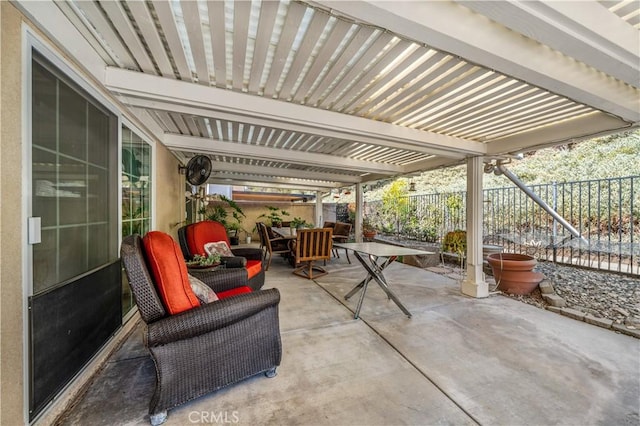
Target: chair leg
346, 252
268, 262
158, 418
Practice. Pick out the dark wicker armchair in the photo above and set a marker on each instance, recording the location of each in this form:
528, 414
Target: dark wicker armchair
193, 237
207, 347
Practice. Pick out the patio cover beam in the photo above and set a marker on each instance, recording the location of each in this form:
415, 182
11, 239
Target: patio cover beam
589, 33
212, 146
185, 97
452, 28
268, 182
231, 167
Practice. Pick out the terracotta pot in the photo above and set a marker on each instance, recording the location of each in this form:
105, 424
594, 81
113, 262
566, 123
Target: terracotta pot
513, 272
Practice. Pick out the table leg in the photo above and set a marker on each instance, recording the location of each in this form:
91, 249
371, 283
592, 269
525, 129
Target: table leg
375, 273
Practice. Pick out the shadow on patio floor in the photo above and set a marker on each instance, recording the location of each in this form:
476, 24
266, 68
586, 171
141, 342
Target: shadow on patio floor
458, 360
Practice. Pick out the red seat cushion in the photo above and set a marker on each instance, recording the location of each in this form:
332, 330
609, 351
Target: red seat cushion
169, 272
253, 267
233, 292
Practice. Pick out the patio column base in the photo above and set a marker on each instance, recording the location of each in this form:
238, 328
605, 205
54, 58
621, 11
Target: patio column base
475, 289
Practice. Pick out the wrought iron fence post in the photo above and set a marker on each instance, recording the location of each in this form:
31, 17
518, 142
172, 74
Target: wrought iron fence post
554, 226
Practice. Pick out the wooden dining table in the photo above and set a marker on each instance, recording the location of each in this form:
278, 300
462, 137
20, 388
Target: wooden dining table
285, 232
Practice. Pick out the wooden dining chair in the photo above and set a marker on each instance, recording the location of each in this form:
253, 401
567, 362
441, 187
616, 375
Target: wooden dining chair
341, 233
272, 245
311, 246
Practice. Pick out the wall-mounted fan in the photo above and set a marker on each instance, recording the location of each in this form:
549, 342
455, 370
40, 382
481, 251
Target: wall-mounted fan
198, 170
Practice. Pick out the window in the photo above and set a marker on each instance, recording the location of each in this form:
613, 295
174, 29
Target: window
136, 194
71, 168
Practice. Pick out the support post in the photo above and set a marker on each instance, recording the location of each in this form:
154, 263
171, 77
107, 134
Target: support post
319, 209
474, 284
359, 212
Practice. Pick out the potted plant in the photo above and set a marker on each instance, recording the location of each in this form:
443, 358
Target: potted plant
298, 223
514, 272
368, 230
455, 242
274, 216
201, 262
218, 210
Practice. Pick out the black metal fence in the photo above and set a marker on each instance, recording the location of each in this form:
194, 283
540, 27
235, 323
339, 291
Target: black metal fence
606, 212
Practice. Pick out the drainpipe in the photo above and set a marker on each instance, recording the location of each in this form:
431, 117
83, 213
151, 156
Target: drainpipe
501, 169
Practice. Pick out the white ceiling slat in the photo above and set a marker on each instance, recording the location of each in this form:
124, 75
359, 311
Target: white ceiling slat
202, 127
283, 49
515, 128
168, 24
216, 133
528, 119
218, 41
528, 111
148, 29
84, 27
515, 90
128, 34
542, 120
291, 173
421, 90
347, 55
194, 31
193, 99
445, 26
268, 14
392, 84
103, 27
180, 122
241, 13
446, 95
174, 141
353, 75
167, 122
469, 101
373, 77
533, 97
330, 46
192, 126
383, 106
318, 23
588, 33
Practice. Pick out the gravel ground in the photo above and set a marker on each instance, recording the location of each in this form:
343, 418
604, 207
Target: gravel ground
602, 294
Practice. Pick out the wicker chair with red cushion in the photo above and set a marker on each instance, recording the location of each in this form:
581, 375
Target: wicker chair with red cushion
198, 348
196, 235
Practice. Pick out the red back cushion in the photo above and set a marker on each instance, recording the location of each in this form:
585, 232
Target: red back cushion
201, 233
169, 272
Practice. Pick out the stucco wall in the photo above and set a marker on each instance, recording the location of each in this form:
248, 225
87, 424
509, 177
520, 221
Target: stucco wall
11, 231
169, 192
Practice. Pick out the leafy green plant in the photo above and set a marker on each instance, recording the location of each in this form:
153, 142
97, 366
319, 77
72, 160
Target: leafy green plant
274, 215
455, 242
298, 222
219, 210
200, 260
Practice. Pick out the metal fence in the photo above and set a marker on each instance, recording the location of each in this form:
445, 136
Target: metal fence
606, 212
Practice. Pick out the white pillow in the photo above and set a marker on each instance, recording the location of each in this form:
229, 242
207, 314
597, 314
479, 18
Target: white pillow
219, 247
203, 292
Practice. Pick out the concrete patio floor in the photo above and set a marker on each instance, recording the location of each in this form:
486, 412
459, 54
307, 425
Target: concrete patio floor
458, 360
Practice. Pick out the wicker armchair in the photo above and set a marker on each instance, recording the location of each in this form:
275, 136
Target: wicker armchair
208, 347
193, 237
